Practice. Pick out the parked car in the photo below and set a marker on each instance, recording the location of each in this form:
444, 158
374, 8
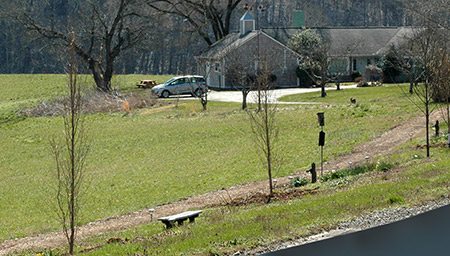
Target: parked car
194, 85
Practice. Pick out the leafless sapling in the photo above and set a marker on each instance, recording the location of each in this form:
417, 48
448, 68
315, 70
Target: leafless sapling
70, 154
263, 122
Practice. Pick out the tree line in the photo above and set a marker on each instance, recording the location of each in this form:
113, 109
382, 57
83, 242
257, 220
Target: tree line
171, 32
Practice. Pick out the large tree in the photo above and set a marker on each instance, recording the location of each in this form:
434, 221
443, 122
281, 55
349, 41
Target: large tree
104, 29
211, 19
314, 56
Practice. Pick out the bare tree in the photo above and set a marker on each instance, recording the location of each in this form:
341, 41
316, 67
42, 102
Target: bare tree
422, 58
204, 16
263, 122
70, 155
430, 51
105, 29
441, 86
242, 77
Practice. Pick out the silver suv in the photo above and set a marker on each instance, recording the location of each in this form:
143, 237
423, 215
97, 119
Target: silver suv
194, 85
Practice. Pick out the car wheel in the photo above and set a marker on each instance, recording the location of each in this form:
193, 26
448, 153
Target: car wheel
165, 94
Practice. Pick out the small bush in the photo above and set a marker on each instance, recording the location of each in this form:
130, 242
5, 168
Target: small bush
356, 75
361, 82
396, 199
305, 79
347, 172
383, 166
298, 182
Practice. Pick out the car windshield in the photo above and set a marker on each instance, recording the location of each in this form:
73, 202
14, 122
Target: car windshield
170, 81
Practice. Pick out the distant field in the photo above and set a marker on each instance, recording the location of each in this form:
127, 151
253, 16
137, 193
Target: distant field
20, 91
155, 156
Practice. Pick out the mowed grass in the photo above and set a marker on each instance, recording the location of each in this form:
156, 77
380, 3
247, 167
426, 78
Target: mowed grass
156, 156
227, 230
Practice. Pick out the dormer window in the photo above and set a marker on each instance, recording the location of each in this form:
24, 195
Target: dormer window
247, 23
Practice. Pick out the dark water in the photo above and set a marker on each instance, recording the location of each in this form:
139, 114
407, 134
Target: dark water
424, 234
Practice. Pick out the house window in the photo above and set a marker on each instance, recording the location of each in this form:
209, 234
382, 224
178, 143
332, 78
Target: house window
354, 65
217, 67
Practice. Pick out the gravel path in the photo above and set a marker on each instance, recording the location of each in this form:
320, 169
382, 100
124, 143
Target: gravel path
381, 145
366, 221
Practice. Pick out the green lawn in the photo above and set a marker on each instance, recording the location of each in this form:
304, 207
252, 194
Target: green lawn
155, 156
227, 230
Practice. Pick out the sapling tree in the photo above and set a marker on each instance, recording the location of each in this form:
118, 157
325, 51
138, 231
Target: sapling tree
70, 154
263, 122
441, 87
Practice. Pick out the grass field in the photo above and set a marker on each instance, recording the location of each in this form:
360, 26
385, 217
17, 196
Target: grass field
155, 156
227, 230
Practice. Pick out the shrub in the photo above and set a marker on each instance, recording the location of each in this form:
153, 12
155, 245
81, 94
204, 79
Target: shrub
355, 75
361, 82
347, 172
396, 199
383, 166
298, 182
305, 79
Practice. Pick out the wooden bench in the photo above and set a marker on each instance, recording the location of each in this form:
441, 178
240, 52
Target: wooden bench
146, 84
179, 218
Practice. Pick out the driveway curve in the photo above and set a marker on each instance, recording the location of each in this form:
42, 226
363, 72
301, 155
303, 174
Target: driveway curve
275, 95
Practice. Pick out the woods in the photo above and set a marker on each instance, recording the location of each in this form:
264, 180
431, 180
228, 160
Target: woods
172, 37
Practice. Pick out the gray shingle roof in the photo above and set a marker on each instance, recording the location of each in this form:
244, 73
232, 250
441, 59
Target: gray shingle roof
344, 41
226, 44
363, 41
354, 41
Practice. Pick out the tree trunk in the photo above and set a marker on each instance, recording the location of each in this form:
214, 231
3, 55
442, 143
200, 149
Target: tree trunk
427, 117
244, 99
323, 93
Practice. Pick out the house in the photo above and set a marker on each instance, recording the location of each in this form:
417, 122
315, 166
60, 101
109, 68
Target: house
246, 53
351, 49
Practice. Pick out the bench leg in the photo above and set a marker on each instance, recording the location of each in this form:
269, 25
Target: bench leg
192, 219
180, 222
169, 224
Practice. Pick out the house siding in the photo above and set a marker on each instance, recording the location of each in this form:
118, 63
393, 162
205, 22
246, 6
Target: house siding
261, 49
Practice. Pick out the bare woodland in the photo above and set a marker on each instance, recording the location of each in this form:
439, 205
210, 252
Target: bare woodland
172, 36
